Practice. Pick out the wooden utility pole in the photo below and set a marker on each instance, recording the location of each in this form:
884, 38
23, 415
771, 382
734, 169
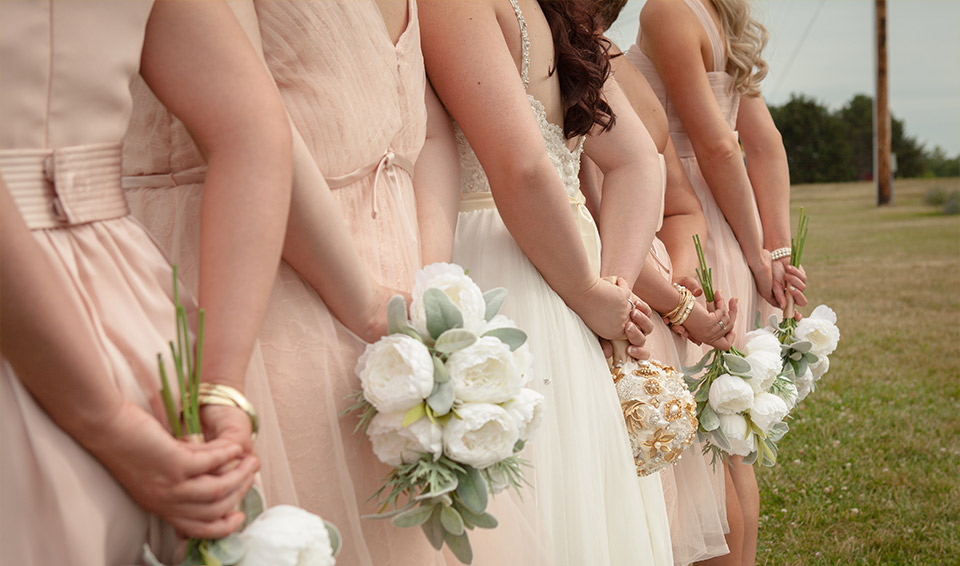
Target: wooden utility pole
881, 116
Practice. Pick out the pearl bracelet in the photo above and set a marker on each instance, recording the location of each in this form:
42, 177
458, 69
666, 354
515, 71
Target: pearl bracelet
780, 253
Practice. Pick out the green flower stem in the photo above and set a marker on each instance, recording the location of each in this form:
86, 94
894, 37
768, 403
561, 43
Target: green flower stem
704, 273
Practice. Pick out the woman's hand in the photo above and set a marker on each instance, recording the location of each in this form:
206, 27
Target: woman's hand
788, 279
690, 283
232, 424
711, 324
177, 480
762, 270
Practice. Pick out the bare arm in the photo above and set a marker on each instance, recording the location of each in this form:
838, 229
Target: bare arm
468, 60
437, 184
673, 38
682, 218
232, 109
630, 206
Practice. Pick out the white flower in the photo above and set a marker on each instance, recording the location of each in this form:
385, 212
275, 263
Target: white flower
527, 409
483, 435
396, 373
286, 536
764, 367
761, 340
804, 384
788, 392
768, 410
485, 372
395, 444
820, 329
730, 395
522, 354
742, 441
451, 279
820, 367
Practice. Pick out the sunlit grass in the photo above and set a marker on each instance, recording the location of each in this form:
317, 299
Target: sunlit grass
870, 471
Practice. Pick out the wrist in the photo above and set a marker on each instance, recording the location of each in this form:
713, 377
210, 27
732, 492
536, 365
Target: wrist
580, 298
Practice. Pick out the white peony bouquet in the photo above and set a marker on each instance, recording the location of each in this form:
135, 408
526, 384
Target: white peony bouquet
443, 401
281, 536
742, 397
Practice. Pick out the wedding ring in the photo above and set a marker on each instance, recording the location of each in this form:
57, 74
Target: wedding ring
722, 325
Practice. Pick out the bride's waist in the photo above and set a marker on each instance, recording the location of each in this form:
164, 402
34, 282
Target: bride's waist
470, 202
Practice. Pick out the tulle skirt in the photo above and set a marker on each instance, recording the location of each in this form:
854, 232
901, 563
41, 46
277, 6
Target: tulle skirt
586, 504
60, 505
693, 489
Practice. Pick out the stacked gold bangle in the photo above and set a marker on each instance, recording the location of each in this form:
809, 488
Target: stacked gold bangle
683, 309
218, 394
780, 253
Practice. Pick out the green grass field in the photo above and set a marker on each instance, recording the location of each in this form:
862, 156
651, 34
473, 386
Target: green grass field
870, 471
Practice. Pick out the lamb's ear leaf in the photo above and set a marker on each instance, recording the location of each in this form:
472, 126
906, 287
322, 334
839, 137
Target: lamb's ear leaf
512, 337
442, 313
396, 315
494, 300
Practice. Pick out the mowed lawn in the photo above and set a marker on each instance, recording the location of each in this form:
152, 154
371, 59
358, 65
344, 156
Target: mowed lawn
870, 470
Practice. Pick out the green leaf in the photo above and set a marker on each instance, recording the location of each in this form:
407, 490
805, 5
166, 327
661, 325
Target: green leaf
252, 505
697, 367
209, 558
442, 314
440, 373
802, 366
811, 358
802, 346
702, 395
460, 546
719, 438
750, 458
709, 421
494, 299
150, 558
451, 520
483, 520
472, 490
336, 539
414, 517
773, 320
441, 400
736, 364
228, 550
778, 431
414, 415
411, 332
454, 340
433, 529
512, 337
396, 315
758, 321
796, 356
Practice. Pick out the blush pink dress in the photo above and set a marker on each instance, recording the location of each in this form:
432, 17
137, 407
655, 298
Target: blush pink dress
357, 101
731, 273
65, 103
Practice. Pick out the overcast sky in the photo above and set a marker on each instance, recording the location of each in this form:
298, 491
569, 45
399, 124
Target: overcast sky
824, 49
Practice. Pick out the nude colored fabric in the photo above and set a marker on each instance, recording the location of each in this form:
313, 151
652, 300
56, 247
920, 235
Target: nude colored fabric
66, 71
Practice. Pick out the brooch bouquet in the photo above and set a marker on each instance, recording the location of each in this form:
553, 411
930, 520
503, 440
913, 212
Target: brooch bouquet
443, 402
739, 406
282, 535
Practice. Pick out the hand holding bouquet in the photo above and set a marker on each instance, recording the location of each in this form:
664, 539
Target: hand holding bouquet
443, 401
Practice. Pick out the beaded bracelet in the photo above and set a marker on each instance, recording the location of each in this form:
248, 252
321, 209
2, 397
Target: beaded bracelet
780, 253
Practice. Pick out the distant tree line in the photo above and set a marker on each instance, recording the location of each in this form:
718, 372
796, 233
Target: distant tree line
824, 146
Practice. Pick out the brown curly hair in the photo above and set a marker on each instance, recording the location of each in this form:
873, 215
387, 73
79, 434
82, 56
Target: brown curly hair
582, 65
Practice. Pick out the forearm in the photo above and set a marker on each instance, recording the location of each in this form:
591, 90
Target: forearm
767, 167
436, 184
677, 235
654, 289
629, 213
46, 337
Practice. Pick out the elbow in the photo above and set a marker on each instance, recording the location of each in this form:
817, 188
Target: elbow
721, 150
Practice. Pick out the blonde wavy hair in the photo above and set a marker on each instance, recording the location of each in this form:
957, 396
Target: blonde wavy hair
745, 37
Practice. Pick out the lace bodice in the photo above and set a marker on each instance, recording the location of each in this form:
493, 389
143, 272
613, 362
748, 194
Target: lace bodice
473, 179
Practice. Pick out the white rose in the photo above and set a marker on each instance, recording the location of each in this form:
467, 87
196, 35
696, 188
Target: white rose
819, 368
742, 441
761, 340
395, 444
527, 409
820, 329
522, 354
768, 410
483, 435
451, 279
396, 373
485, 372
285, 535
764, 367
788, 392
730, 395
804, 384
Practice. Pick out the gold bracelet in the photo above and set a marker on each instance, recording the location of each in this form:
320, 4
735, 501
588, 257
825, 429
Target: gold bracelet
684, 294
679, 315
219, 394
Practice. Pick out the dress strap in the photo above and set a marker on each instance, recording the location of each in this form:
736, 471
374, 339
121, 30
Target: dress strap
524, 45
386, 163
717, 44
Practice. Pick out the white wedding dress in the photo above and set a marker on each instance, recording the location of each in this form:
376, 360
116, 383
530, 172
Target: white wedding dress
586, 503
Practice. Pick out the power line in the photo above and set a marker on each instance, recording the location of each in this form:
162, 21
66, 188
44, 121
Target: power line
796, 50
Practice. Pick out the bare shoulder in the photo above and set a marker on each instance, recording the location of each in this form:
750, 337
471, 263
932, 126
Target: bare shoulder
666, 15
